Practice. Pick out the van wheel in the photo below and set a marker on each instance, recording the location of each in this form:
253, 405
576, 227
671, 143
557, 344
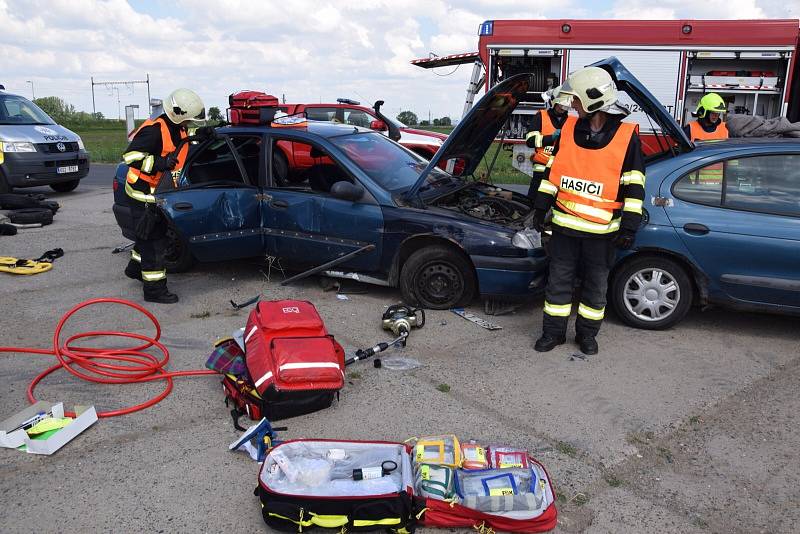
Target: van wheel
438, 278
652, 292
4, 187
177, 257
65, 187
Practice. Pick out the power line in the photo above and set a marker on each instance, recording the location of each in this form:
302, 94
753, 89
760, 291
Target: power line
114, 85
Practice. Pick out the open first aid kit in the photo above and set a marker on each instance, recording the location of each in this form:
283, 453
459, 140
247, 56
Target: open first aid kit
293, 366
469, 485
342, 485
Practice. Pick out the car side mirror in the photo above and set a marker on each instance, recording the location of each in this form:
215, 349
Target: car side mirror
345, 190
378, 125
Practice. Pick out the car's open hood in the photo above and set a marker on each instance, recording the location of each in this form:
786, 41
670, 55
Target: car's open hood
628, 83
470, 140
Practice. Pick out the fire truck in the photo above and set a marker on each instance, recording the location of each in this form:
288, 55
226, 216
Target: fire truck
750, 63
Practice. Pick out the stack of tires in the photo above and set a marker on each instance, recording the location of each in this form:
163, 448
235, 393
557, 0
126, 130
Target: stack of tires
26, 209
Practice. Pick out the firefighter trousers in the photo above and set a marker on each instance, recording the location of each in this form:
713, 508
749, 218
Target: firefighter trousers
571, 257
147, 256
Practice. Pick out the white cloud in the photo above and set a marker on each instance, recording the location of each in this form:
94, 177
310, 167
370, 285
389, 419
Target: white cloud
306, 49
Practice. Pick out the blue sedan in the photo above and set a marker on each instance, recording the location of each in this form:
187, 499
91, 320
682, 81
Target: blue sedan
440, 238
729, 237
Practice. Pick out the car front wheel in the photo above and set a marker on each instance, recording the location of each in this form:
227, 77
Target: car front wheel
438, 278
652, 292
65, 187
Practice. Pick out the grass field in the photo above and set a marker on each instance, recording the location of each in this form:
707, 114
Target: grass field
106, 142
502, 172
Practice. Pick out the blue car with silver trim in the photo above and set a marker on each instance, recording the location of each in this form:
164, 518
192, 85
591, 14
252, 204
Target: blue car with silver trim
442, 239
35, 151
732, 241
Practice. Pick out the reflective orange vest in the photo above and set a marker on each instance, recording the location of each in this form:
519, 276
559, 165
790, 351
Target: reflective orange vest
167, 146
711, 174
588, 179
542, 155
699, 134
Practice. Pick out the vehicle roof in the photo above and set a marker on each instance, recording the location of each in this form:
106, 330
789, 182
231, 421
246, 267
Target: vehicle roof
744, 142
320, 128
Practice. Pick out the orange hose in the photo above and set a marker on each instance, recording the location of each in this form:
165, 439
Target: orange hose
129, 365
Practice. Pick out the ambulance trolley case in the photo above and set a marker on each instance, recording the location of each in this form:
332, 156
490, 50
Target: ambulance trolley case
341, 485
295, 365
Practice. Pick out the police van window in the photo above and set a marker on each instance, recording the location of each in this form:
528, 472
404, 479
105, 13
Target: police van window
702, 186
304, 167
17, 110
321, 114
765, 184
214, 162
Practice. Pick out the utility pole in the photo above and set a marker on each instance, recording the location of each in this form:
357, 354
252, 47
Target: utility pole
33, 95
94, 108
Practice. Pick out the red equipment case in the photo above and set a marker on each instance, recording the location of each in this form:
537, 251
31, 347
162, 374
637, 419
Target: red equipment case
251, 107
295, 365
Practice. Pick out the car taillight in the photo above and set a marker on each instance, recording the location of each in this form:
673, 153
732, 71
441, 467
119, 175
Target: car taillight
116, 184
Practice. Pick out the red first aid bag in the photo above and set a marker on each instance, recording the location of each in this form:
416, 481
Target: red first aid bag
251, 107
295, 365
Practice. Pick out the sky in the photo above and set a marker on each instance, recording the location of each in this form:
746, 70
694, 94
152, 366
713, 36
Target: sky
306, 51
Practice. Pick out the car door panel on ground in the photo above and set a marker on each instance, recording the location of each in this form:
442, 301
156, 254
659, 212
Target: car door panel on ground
739, 217
218, 199
309, 226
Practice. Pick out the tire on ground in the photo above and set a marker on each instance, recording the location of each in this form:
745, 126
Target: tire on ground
437, 277
177, 258
31, 216
623, 279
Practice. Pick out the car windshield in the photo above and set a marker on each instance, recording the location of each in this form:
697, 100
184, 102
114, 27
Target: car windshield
393, 167
18, 110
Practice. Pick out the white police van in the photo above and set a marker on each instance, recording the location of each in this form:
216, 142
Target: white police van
34, 150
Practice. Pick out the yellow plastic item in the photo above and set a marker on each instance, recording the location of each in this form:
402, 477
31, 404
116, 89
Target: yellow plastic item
48, 424
440, 450
18, 266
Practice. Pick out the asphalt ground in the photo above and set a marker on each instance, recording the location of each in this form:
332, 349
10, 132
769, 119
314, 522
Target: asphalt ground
693, 429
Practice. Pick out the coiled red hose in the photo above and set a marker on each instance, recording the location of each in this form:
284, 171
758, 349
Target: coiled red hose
129, 365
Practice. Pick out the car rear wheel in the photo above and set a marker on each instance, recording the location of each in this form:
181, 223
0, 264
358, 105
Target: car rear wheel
652, 292
4, 187
65, 187
438, 278
177, 256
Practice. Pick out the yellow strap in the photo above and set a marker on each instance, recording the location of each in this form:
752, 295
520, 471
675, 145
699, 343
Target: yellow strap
371, 522
154, 276
9, 265
633, 205
329, 521
557, 310
138, 195
633, 177
594, 314
576, 223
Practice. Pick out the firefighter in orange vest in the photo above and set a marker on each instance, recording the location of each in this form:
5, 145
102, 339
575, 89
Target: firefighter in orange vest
594, 184
157, 152
709, 124
544, 130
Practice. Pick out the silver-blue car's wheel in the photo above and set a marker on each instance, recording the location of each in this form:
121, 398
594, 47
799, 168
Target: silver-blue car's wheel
437, 278
651, 292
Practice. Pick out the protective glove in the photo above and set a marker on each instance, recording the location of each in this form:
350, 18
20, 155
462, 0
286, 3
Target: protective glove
537, 220
624, 239
534, 139
171, 160
206, 132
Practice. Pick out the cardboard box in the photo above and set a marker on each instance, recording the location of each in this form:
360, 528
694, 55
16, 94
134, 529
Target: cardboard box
13, 435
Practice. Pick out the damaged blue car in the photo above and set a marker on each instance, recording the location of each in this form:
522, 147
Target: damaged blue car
442, 239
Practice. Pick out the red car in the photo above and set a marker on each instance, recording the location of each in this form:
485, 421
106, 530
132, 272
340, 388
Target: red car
297, 156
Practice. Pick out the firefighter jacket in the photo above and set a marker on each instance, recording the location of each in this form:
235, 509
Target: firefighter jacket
146, 156
541, 129
595, 180
700, 131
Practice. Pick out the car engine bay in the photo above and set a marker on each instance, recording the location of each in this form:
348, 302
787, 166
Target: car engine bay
489, 203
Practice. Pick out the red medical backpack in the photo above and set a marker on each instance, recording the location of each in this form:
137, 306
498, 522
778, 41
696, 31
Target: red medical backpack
295, 365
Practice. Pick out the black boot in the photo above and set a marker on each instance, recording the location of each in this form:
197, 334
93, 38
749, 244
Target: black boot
133, 272
162, 298
587, 344
546, 343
